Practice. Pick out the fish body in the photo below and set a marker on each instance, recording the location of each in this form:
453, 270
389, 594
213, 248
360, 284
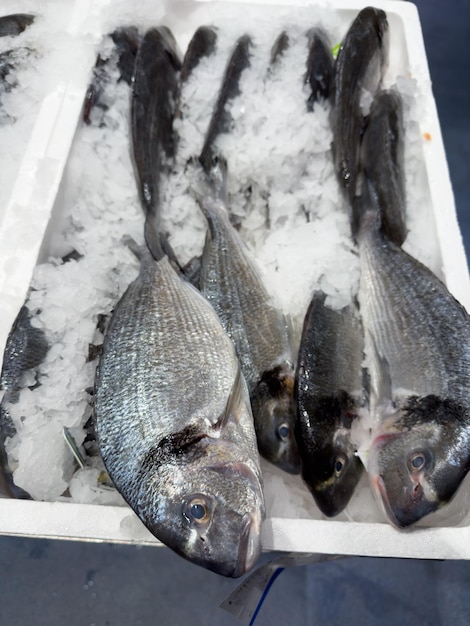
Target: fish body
418, 346
232, 284
174, 423
328, 390
172, 411
320, 67
382, 159
360, 65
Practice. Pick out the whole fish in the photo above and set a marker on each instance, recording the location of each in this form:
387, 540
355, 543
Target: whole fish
360, 65
328, 391
25, 349
172, 411
232, 284
382, 159
320, 67
418, 347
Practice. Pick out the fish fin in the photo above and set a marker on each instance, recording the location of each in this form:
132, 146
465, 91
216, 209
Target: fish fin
380, 382
211, 190
236, 399
277, 51
202, 44
154, 91
221, 119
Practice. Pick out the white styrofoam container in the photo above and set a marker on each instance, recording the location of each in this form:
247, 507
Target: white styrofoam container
20, 242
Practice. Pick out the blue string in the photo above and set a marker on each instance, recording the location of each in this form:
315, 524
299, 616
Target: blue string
265, 593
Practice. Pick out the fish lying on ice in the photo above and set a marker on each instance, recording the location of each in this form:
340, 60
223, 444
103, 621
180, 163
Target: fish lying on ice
320, 67
360, 65
232, 284
328, 392
172, 411
417, 344
382, 159
15, 24
26, 348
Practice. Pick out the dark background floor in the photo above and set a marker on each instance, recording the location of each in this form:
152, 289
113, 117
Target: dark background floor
51, 583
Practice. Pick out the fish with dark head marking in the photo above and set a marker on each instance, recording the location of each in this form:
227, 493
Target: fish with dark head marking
328, 391
172, 410
231, 282
417, 343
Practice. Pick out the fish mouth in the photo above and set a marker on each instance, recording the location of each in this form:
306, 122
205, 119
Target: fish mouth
250, 545
381, 491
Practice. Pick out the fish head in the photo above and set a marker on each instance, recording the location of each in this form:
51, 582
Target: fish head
418, 463
274, 413
332, 472
206, 503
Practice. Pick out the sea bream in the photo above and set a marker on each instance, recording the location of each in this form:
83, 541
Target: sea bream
172, 410
361, 63
417, 345
233, 285
329, 397
26, 348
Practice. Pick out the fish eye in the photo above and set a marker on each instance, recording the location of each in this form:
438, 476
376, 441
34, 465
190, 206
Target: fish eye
339, 465
283, 431
417, 461
197, 509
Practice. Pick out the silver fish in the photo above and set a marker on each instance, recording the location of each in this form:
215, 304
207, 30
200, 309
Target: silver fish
174, 423
418, 345
172, 410
25, 349
320, 67
232, 284
328, 391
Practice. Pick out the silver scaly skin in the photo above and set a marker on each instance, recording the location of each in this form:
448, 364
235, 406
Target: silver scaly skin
172, 410
174, 423
418, 342
232, 284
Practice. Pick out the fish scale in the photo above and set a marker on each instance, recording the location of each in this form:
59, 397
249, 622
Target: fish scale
405, 308
172, 410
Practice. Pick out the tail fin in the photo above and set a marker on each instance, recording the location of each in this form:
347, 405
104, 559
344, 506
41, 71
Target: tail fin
153, 100
382, 156
221, 119
320, 67
201, 45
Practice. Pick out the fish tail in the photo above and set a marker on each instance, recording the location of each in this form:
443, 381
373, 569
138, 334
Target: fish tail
320, 67
382, 162
201, 45
154, 91
278, 48
221, 119
365, 213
